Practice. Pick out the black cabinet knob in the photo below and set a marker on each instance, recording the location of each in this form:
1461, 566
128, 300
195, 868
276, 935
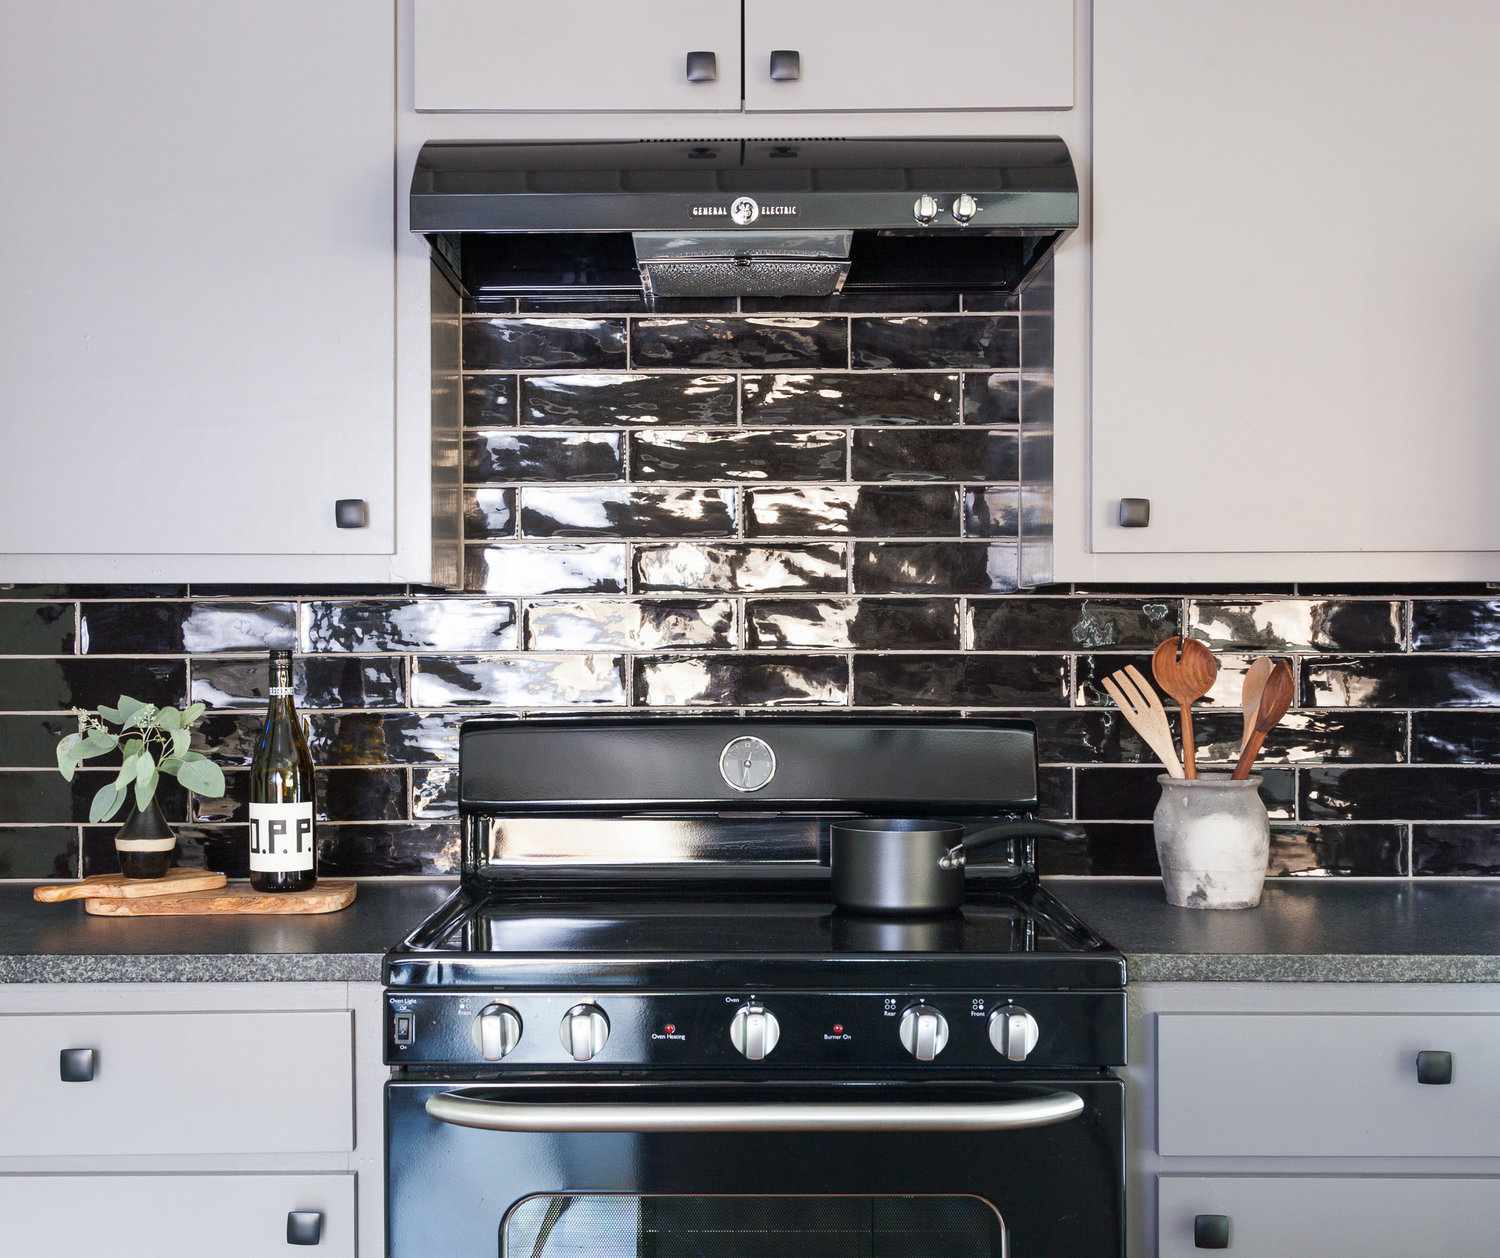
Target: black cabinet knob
1211, 1231
1434, 1067
351, 513
786, 65
1135, 513
304, 1227
702, 67
76, 1065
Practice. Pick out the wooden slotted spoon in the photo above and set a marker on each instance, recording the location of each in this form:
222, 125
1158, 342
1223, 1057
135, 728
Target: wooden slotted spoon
1254, 684
1185, 669
1139, 705
1275, 699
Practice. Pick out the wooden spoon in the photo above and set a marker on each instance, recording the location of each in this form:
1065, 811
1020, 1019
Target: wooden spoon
1275, 699
1255, 682
1185, 669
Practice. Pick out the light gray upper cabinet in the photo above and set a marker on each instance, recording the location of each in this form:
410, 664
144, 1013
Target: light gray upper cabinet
576, 55
853, 55
1295, 252
197, 290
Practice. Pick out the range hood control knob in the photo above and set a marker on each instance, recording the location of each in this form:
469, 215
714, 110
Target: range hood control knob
924, 1032
585, 1030
497, 1031
925, 208
754, 1031
964, 207
1013, 1032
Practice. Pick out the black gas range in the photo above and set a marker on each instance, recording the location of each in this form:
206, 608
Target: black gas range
639, 1026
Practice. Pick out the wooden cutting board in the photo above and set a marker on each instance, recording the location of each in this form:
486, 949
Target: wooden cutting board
119, 887
326, 897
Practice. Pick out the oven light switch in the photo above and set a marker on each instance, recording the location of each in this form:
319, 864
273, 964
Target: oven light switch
404, 1028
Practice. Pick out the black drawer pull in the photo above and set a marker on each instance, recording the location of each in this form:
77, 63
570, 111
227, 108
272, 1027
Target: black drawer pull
351, 513
702, 67
786, 65
76, 1065
1135, 513
304, 1227
1211, 1231
1434, 1067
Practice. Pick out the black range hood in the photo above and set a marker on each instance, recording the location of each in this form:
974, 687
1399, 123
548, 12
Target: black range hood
730, 218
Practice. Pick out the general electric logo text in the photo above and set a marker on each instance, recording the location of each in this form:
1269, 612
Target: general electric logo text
744, 210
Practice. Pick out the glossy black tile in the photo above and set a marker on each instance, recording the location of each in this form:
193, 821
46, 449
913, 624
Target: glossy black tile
558, 568
31, 685
42, 796
856, 302
30, 742
850, 398
342, 795
1455, 625
36, 628
489, 401
1357, 851
935, 568
628, 511
630, 624
372, 738
1404, 794
766, 341
937, 341
987, 302
1087, 737
611, 399
935, 454
427, 624
1307, 737
1298, 624
1054, 793
751, 681
811, 454
489, 513
858, 510
410, 848
900, 624
544, 344
1396, 681
992, 397
434, 793
1109, 851
497, 455
1455, 737
713, 568
39, 851
993, 512
1455, 851
200, 628
1131, 793
319, 681
224, 849
1056, 624
517, 681
967, 681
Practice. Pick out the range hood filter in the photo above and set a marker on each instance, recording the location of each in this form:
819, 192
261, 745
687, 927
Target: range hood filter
742, 264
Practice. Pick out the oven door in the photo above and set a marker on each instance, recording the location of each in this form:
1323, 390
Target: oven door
820, 1169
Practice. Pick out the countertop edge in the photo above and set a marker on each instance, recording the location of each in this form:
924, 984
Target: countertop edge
310, 967
1167, 967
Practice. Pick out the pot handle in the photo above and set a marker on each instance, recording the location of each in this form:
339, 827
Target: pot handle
957, 856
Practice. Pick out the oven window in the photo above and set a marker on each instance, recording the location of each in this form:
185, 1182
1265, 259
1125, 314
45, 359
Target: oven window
611, 1225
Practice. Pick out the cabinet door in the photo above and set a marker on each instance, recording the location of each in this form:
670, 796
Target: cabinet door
197, 272
894, 55
1296, 245
493, 55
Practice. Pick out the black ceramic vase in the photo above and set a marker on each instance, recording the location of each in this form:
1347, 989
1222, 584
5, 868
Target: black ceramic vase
145, 843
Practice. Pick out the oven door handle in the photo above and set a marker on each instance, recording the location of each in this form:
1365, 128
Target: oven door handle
1042, 1110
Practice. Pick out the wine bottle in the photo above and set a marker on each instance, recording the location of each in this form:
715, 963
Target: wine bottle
283, 851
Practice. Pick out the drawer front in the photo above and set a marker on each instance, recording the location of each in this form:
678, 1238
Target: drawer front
1326, 1085
1331, 1216
178, 1083
171, 1216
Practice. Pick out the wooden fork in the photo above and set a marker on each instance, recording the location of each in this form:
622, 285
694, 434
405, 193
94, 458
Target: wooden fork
1139, 704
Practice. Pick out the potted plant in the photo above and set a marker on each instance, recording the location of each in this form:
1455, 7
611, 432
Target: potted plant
151, 741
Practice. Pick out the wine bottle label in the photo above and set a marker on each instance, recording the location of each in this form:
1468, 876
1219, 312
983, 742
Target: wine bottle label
281, 837
279, 692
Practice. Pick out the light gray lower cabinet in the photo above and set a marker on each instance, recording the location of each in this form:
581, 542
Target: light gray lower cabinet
176, 1119
1301, 1119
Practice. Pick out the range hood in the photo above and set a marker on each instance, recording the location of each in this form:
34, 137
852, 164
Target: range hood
665, 219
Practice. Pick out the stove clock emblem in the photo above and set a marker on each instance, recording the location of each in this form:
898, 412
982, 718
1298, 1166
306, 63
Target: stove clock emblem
747, 763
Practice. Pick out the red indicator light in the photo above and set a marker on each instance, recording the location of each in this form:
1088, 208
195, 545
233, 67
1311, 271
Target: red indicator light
670, 1029
838, 1028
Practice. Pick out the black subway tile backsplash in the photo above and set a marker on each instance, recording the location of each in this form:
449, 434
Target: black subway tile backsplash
819, 505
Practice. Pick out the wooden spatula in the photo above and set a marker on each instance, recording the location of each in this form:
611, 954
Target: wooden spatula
1185, 669
1275, 699
1139, 705
1255, 682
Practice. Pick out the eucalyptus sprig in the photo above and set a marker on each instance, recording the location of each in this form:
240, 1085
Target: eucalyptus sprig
151, 741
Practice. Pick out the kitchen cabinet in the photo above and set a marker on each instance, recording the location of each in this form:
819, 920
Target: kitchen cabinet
1295, 242
198, 294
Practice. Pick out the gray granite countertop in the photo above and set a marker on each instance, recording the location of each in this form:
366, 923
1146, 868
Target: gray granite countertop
1303, 932
59, 943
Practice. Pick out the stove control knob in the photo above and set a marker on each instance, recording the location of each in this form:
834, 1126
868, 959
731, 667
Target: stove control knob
925, 208
964, 208
585, 1030
497, 1031
924, 1032
1013, 1032
754, 1031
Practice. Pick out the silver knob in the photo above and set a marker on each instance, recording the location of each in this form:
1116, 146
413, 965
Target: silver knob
1013, 1032
754, 1031
497, 1031
924, 1032
925, 208
964, 207
585, 1030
